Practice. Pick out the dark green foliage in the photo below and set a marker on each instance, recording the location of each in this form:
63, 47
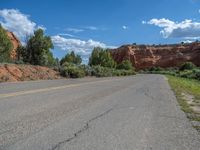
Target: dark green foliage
5, 46
21, 53
156, 69
38, 49
187, 66
71, 58
126, 65
102, 58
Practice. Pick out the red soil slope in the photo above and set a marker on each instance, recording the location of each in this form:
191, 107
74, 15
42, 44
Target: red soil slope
12, 72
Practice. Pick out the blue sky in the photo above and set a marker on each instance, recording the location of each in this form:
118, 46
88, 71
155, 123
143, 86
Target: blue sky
80, 25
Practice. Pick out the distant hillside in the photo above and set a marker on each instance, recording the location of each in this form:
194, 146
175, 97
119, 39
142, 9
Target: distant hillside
147, 56
12, 72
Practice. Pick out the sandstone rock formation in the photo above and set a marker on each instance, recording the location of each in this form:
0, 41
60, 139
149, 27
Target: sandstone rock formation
147, 56
13, 72
15, 42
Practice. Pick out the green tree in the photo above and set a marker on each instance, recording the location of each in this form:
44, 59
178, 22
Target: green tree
5, 46
126, 65
187, 66
38, 49
21, 53
101, 57
71, 58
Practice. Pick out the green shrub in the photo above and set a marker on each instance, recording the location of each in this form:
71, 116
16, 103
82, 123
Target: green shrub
71, 58
87, 69
99, 71
156, 69
126, 65
187, 66
72, 71
101, 57
5, 46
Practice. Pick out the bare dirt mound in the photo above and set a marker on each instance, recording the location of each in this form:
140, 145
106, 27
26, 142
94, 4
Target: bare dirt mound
13, 73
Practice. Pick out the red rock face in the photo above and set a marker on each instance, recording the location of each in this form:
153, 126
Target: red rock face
15, 42
145, 56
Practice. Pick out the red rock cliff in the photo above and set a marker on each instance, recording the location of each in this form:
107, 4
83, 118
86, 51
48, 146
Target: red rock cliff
15, 42
146, 56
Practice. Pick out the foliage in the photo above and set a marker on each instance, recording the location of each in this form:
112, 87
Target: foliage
87, 69
187, 66
100, 71
72, 71
21, 53
184, 73
102, 58
71, 58
126, 65
5, 46
38, 50
187, 86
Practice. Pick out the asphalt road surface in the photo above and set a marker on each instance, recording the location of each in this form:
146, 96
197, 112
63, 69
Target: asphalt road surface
129, 113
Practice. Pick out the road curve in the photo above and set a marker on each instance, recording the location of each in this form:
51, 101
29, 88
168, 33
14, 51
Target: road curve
129, 113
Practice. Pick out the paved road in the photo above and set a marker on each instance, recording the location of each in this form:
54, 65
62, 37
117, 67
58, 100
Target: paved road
128, 113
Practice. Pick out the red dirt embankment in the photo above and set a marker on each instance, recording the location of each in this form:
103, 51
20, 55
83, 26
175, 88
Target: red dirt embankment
13, 73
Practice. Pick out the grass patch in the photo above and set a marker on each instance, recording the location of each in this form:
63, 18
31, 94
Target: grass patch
197, 128
186, 86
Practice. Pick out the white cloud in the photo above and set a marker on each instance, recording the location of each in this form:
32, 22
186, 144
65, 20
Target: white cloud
74, 30
41, 27
188, 41
13, 20
144, 22
66, 34
92, 28
185, 29
124, 27
81, 47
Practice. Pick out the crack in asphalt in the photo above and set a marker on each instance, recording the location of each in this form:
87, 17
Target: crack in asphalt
76, 134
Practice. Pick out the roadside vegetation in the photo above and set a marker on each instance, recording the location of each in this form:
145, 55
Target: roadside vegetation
188, 95
101, 64
185, 82
37, 51
5, 47
187, 70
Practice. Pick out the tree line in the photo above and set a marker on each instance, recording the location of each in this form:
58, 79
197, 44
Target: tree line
37, 51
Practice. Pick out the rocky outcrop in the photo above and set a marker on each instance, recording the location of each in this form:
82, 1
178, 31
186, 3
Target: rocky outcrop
12, 72
15, 42
147, 56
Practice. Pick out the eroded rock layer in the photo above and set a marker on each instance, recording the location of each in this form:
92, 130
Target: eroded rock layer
15, 42
147, 56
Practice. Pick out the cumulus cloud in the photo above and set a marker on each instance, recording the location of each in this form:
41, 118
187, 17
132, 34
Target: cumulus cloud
17, 22
185, 29
81, 47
